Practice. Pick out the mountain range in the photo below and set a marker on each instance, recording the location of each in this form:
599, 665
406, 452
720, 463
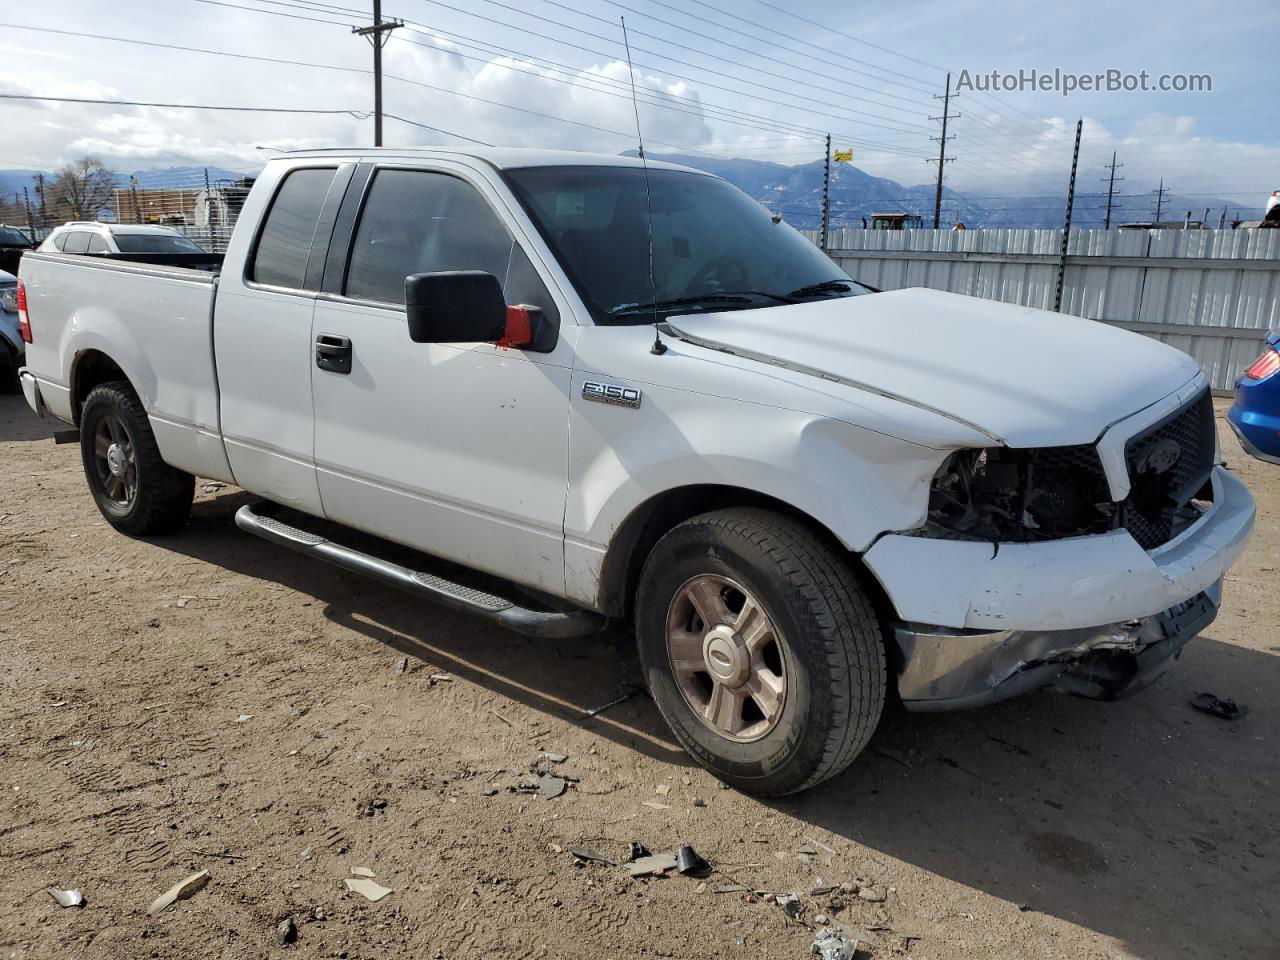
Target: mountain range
796, 193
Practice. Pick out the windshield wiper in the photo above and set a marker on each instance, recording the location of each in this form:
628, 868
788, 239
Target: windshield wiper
829, 286
743, 296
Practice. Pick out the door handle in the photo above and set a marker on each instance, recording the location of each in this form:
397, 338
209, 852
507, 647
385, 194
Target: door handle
333, 353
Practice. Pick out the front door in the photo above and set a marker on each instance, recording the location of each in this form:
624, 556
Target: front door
458, 449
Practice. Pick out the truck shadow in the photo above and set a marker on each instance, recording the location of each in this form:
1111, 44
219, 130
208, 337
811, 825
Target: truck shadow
18, 422
1143, 821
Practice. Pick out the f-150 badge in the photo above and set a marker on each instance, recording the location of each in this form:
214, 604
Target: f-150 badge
610, 393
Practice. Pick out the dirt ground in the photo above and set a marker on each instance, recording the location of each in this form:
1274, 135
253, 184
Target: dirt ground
213, 702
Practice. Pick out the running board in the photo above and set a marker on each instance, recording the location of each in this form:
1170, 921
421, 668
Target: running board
535, 623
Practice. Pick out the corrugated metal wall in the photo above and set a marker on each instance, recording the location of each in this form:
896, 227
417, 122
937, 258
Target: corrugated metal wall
1212, 293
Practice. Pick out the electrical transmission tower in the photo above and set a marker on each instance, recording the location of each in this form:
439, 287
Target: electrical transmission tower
943, 159
377, 35
1111, 182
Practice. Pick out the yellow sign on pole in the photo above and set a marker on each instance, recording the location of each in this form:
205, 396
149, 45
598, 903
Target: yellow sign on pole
842, 156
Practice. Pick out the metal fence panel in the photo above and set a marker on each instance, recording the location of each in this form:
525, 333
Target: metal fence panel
1210, 293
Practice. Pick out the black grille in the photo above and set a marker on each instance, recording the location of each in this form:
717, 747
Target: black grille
1168, 465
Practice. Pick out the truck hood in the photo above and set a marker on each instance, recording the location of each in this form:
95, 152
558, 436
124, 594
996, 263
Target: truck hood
1023, 376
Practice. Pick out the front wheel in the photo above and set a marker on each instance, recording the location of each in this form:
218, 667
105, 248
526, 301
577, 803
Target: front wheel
135, 489
760, 648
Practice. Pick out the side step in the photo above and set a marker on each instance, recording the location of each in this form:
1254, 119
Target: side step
535, 623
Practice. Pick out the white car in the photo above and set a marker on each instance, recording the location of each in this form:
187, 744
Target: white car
90, 236
630, 392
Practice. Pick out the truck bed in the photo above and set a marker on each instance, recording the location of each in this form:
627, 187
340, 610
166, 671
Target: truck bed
153, 320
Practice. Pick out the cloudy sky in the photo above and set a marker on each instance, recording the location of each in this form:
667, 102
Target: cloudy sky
745, 78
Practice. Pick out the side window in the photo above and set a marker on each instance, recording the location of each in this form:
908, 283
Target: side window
420, 222
97, 244
285, 242
77, 242
59, 241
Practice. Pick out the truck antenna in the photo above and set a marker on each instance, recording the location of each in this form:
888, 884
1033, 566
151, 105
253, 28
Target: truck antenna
658, 348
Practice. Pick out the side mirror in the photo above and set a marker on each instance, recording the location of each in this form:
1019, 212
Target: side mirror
468, 306
458, 306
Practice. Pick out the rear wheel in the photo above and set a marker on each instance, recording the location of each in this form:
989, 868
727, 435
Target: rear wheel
761, 649
135, 489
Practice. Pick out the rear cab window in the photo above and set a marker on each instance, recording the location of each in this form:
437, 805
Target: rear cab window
288, 232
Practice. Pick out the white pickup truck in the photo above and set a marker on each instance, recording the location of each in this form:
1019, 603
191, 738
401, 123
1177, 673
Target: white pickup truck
638, 395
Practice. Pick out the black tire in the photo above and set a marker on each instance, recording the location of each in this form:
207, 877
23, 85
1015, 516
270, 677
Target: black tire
158, 500
832, 647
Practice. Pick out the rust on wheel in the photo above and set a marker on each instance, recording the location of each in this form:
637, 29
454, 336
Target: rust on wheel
114, 460
727, 657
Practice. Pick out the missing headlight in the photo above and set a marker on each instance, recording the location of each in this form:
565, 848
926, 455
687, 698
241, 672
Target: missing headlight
1003, 495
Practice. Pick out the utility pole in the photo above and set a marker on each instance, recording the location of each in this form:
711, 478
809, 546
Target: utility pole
44, 211
1066, 220
943, 159
826, 196
377, 35
1112, 180
31, 223
1160, 201
133, 189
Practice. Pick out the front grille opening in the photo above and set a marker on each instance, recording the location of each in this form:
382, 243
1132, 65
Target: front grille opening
1004, 495
1169, 468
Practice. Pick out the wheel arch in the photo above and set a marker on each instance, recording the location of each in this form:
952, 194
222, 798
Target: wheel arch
89, 369
651, 520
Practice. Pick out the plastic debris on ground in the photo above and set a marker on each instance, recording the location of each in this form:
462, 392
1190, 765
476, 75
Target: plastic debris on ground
637, 851
369, 889
832, 944
67, 898
550, 787
789, 903
402, 664
658, 863
690, 864
1215, 707
586, 854
363, 872
179, 891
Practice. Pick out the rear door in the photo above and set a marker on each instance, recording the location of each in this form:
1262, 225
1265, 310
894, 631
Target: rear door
457, 449
262, 337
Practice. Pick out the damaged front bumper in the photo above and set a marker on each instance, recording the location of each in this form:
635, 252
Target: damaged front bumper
1097, 615
940, 670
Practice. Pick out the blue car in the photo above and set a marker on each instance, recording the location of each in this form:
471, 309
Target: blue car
1255, 414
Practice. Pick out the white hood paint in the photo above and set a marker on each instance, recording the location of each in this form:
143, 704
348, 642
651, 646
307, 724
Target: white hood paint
1025, 377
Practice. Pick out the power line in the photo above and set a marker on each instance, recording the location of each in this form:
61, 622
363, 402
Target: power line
357, 114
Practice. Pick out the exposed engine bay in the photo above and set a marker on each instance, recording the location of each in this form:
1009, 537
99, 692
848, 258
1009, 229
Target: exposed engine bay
999, 494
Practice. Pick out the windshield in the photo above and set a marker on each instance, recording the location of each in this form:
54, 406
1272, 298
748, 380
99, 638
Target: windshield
714, 248
155, 243
10, 237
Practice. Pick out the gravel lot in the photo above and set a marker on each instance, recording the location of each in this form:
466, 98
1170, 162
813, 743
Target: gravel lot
213, 702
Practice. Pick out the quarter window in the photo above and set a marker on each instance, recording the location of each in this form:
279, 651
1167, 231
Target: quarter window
420, 222
285, 242
77, 242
